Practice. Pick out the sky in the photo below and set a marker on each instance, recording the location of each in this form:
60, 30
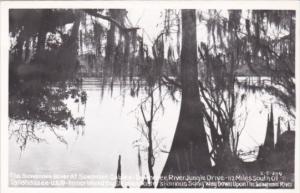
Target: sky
151, 22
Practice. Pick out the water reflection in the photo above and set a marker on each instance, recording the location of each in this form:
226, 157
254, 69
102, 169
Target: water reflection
110, 130
110, 118
35, 101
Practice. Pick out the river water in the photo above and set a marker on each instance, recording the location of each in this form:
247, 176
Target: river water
111, 130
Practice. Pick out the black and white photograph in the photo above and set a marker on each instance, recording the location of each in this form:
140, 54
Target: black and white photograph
150, 96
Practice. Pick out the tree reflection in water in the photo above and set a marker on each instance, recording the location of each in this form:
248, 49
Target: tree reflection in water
35, 104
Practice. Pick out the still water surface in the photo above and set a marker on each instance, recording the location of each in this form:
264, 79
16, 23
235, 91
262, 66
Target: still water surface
111, 130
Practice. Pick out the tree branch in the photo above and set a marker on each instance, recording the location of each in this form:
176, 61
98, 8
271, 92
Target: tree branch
144, 117
94, 13
168, 80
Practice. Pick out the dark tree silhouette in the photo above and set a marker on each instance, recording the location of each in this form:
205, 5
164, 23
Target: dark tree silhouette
119, 174
149, 124
44, 63
189, 151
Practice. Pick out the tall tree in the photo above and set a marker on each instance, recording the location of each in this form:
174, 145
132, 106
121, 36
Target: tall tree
189, 153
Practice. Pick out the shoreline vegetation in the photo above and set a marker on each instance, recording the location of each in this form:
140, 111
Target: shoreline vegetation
54, 52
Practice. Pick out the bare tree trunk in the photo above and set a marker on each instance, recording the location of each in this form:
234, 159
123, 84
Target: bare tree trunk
150, 147
149, 124
27, 49
81, 42
150, 158
42, 33
118, 181
19, 46
189, 153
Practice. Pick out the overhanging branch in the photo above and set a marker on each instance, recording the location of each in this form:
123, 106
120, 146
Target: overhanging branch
98, 15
